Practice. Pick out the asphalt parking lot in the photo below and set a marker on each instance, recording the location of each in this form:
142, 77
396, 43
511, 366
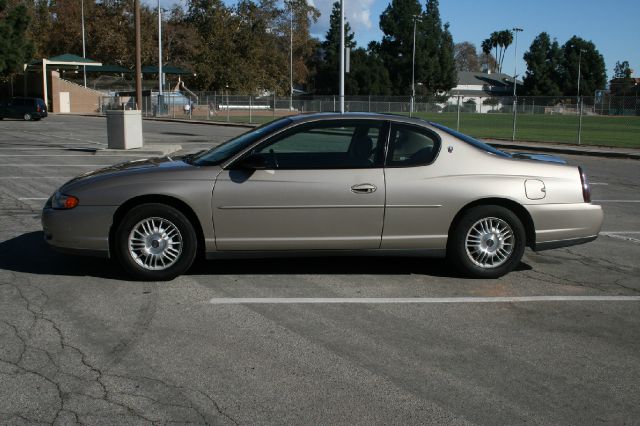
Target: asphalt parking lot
81, 344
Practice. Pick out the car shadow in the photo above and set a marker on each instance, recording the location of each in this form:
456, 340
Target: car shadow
29, 253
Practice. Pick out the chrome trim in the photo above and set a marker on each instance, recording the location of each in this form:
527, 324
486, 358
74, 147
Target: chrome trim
334, 206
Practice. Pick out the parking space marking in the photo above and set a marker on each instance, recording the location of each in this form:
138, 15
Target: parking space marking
36, 177
616, 201
413, 300
73, 155
31, 198
55, 165
598, 183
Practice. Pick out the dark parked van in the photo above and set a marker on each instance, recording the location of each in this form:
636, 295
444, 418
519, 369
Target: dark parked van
25, 108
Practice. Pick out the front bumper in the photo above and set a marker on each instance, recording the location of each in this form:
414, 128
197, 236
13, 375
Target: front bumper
562, 225
83, 230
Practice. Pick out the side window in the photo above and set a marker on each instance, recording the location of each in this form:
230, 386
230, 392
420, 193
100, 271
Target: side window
411, 146
340, 144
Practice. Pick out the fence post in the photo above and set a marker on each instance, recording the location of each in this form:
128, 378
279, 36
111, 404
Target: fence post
227, 106
369, 103
250, 115
580, 120
533, 107
274, 105
515, 114
458, 119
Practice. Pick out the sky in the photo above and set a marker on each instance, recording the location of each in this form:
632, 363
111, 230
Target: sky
612, 26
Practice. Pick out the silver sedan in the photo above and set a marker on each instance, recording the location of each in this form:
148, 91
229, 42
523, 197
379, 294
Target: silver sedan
328, 184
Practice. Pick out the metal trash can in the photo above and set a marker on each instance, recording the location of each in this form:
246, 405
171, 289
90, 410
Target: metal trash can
124, 129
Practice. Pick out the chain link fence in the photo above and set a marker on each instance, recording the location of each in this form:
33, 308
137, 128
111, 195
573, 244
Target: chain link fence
599, 120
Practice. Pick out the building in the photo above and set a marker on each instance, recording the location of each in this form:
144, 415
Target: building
481, 91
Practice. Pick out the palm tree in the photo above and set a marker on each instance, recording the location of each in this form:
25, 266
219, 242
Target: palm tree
486, 49
505, 38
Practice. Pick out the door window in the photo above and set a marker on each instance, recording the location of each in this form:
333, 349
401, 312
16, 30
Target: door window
339, 144
411, 146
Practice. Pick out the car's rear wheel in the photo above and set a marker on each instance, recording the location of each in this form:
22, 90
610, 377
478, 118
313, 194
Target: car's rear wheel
487, 242
27, 116
155, 242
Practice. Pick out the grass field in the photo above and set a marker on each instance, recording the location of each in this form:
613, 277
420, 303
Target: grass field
596, 130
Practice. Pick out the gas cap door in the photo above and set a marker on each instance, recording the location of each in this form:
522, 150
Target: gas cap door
535, 189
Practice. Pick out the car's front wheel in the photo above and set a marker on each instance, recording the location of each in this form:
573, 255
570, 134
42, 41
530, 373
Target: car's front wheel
155, 242
27, 116
487, 242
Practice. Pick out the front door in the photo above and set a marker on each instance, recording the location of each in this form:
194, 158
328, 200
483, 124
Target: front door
65, 102
322, 188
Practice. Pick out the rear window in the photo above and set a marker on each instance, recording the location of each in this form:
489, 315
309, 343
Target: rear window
471, 141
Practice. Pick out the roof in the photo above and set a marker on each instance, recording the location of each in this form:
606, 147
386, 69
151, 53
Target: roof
69, 57
66, 60
355, 115
166, 69
110, 69
469, 78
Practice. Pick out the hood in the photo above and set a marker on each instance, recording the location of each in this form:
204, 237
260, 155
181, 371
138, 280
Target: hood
135, 166
538, 157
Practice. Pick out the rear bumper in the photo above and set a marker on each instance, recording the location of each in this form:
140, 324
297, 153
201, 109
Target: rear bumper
82, 230
562, 225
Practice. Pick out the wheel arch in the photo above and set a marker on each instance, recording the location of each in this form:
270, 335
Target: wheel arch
176, 203
515, 207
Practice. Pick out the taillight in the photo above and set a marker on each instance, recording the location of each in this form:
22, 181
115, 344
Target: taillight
586, 189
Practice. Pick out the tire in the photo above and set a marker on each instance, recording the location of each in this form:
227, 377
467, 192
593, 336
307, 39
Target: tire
487, 242
155, 242
27, 116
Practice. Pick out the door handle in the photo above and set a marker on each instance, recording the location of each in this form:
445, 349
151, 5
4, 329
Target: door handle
363, 188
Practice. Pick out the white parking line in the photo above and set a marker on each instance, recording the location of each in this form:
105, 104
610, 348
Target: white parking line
31, 198
616, 201
73, 155
598, 183
36, 177
55, 165
619, 232
416, 300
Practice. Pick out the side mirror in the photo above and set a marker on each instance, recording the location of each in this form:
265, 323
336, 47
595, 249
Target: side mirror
252, 162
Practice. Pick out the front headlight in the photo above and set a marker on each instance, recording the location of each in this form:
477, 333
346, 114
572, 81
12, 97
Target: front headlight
60, 201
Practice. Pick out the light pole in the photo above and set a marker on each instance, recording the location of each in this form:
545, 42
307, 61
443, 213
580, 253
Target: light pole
416, 18
84, 50
341, 56
290, 56
579, 100
515, 75
160, 79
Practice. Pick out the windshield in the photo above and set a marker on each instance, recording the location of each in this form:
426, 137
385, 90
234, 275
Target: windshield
223, 152
468, 139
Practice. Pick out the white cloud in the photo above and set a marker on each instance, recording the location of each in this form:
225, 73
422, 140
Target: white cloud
357, 13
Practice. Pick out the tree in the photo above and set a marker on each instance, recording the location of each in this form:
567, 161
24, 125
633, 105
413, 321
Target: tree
466, 57
622, 70
622, 82
396, 48
544, 67
328, 69
16, 48
591, 63
434, 61
500, 41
